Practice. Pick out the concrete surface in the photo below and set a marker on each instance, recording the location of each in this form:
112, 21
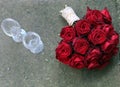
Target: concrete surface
20, 68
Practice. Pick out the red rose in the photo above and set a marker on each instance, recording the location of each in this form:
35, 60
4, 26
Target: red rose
107, 47
106, 13
77, 61
63, 51
108, 29
105, 60
106, 57
82, 27
94, 54
97, 36
114, 38
92, 58
94, 16
67, 33
80, 45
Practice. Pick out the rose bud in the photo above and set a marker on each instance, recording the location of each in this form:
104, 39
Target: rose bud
80, 45
94, 16
77, 61
97, 36
107, 47
82, 27
106, 13
67, 33
63, 51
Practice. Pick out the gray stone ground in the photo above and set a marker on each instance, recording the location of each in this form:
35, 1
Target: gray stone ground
20, 68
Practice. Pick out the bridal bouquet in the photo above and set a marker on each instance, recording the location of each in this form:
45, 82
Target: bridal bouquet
89, 42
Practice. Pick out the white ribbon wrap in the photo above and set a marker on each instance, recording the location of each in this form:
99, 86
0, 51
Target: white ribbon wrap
69, 15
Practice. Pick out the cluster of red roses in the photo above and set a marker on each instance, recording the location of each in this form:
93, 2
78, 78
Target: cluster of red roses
90, 42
